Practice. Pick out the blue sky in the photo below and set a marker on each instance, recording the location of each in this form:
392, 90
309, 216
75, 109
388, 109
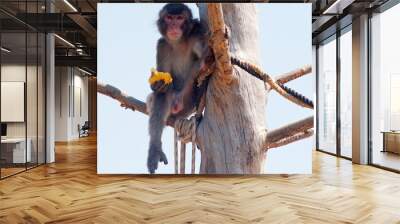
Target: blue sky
127, 35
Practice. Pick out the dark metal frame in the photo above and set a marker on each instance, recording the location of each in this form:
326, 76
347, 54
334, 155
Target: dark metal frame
316, 97
338, 98
369, 97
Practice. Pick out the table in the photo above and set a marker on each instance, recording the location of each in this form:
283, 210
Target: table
391, 141
13, 150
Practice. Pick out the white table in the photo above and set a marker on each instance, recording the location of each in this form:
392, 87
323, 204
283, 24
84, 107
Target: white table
19, 155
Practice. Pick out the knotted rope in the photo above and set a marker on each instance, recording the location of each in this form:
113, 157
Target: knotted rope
255, 71
185, 131
284, 91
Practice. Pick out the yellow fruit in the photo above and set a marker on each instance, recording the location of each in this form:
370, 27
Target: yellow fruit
158, 76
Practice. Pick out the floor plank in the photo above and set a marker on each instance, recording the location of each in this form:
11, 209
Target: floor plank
70, 191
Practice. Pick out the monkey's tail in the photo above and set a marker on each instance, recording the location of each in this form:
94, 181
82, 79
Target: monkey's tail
158, 115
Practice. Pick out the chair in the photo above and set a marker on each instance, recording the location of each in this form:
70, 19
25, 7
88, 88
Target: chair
84, 130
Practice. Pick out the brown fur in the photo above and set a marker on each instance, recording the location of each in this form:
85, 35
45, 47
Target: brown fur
182, 59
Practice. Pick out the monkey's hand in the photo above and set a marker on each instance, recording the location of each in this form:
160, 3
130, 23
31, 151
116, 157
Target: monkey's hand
159, 86
160, 81
155, 156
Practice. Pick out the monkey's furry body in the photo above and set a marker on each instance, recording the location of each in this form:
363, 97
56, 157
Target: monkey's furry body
180, 52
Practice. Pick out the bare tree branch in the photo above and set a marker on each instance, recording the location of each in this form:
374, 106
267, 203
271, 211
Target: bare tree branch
289, 133
125, 100
291, 139
284, 78
219, 41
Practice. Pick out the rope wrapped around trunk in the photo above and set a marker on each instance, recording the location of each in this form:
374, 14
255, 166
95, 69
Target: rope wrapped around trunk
185, 131
288, 93
284, 91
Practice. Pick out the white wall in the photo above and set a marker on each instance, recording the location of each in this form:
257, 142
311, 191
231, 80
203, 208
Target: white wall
71, 94
12, 73
16, 73
61, 103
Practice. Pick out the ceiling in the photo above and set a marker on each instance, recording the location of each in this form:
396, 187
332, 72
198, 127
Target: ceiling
329, 16
76, 22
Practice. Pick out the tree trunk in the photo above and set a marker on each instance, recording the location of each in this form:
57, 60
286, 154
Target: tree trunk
232, 133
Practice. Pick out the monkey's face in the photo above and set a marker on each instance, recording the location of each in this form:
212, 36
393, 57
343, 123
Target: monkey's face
174, 24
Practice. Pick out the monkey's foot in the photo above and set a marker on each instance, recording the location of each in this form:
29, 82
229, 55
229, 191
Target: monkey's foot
155, 156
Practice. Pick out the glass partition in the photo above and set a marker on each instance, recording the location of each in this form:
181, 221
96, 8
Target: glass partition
14, 153
22, 101
385, 89
41, 107
327, 96
346, 93
34, 68
32, 95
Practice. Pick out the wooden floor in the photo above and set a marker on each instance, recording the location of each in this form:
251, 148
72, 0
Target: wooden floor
387, 159
5, 172
69, 191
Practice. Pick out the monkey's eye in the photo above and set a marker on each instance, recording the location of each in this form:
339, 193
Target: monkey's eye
179, 17
168, 18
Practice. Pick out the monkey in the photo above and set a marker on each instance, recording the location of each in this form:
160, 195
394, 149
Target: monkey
180, 51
